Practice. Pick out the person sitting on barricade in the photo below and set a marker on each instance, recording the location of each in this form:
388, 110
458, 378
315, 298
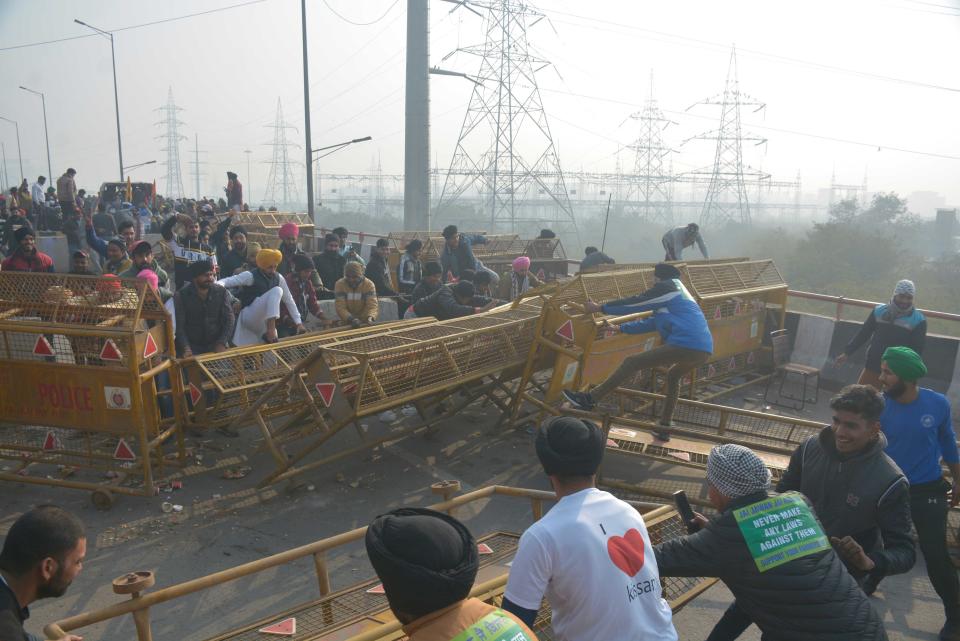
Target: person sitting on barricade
186, 249
356, 297
590, 554
141, 254
518, 281
304, 295
42, 554
432, 281
329, 264
449, 301
428, 562
261, 291
232, 253
859, 494
204, 314
410, 269
771, 552
687, 340
25, 256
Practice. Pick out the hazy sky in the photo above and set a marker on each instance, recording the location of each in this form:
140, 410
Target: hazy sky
228, 68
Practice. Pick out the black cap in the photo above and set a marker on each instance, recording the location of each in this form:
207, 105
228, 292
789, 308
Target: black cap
663, 271
568, 446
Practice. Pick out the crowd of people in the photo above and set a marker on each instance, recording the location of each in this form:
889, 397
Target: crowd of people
852, 507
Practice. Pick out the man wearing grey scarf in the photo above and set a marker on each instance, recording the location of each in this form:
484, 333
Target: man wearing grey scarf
895, 324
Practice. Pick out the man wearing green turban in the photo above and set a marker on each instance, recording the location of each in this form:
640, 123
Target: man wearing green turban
916, 422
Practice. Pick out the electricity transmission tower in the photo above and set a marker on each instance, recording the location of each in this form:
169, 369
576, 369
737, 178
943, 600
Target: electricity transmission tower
173, 183
196, 162
281, 188
726, 199
506, 115
653, 192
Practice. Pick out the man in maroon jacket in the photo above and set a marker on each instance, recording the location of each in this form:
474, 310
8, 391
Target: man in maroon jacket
26, 257
303, 292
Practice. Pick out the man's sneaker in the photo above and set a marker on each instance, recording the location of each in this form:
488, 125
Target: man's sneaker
662, 435
579, 400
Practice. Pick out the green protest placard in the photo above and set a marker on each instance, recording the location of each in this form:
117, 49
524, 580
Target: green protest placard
780, 529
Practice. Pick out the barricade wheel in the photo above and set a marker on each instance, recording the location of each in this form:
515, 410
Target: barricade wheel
103, 499
133, 582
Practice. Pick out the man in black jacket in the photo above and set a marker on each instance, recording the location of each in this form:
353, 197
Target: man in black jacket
859, 494
187, 249
450, 301
772, 553
378, 270
329, 264
432, 281
205, 319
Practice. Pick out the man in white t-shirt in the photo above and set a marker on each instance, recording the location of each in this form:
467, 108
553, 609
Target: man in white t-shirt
591, 554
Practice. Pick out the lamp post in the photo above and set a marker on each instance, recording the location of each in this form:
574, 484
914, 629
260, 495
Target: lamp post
46, 135
249, 177
141, 164
116, 99
22, 175
335, 148
306, 111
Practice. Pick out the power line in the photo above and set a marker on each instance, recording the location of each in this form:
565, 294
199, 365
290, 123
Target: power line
136, 26
361, 24
755, 52
766, 127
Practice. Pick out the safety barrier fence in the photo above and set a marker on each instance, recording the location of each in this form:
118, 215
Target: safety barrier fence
331, 611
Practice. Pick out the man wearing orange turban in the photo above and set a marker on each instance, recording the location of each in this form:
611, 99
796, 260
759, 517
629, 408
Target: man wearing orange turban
261, 291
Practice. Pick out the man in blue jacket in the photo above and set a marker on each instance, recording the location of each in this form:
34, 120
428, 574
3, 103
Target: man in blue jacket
920, 435
687, 342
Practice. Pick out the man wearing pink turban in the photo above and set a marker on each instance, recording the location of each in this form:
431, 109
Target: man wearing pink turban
518, 281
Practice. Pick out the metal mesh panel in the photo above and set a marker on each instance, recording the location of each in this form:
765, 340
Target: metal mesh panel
710, 279
71, 449
85, 301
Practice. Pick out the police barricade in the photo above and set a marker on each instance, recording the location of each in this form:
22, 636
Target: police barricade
221, 386
476, 355
84, 376
548, 259
741, 302
357, 611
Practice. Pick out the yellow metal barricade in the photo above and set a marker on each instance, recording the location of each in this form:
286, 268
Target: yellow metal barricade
352, 611
85, 372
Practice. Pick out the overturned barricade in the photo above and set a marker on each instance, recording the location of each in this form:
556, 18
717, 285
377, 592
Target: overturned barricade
86, 384
741, 301
359, 610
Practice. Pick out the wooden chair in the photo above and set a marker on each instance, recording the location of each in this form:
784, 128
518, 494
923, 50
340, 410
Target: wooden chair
783, 367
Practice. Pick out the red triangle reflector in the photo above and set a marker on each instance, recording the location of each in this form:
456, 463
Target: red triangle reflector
541, 276
736, 309
110, 351
566, 330
43, 347
50, 442
285, 628
377, 589
150, 346
123, 452
195, 394
483, 548
711, 370
732, 363
750, 358
717, 315
326, 390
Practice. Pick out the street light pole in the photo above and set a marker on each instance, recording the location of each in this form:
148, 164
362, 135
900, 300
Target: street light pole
19, 155
306, 111
116, 98
46, 135
249, 177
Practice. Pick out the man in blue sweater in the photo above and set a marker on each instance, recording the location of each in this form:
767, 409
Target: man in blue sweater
916, 422
687, 342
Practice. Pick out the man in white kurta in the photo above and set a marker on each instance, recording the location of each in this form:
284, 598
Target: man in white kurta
261, 291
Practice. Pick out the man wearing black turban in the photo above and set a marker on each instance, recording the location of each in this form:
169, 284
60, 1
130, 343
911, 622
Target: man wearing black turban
428, 562
687, 342
591, 554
